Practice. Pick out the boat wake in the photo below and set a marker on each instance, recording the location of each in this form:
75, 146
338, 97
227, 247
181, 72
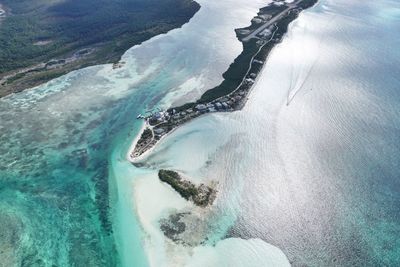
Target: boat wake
301, 67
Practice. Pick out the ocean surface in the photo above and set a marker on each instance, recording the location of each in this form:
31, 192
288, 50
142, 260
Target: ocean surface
307, 172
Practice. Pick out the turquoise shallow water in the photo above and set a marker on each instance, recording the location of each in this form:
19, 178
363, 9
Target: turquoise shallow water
55, 180
311, 163
65, 184
317, 178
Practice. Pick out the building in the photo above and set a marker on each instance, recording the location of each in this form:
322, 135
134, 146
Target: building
261, 42
249, 81
257, 20
265, 17
201, 107
157, 116
265, 33
159, 131
276, 3
244, 31
238, 98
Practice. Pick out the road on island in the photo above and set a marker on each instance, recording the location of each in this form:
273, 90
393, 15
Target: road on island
271, 21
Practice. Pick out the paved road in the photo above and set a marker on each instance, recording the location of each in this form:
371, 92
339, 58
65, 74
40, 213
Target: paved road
270, 22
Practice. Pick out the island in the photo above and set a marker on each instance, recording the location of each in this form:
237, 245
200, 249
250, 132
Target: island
258, 39
201, 195
41, 40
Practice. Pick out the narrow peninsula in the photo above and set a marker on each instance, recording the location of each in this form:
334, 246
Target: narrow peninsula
258, 39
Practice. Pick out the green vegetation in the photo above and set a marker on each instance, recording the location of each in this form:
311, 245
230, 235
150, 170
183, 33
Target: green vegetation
146, 136
201, 195
307, 3
147, 133
75, 24
234, 75
174, 180
16, 77
40, 30
237, 70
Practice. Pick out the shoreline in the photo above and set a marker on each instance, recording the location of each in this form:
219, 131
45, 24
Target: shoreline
55, 65
137, 160
232, 94
134, 142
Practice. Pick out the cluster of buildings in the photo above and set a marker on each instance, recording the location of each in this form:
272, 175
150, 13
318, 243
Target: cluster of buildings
261, 18
265, 36
163, 121
262, 26
257, 22
158, 117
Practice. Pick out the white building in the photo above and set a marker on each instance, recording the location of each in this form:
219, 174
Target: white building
201, 107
